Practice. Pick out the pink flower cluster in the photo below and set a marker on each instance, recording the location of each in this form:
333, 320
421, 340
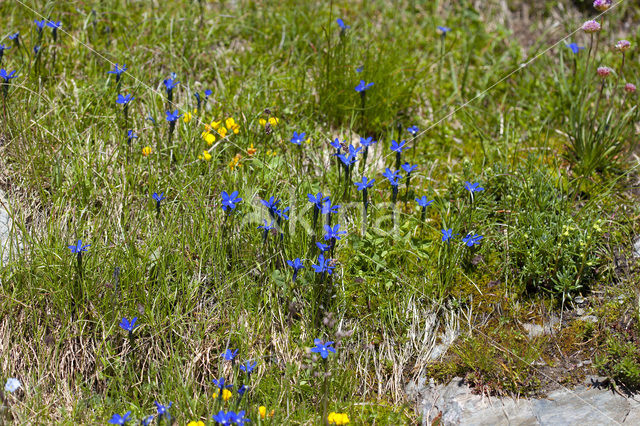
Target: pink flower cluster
602, 5
630, 88
591, 27
623, 45
604, 71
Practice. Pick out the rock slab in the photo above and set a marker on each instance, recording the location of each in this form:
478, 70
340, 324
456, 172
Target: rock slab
588, 404
5, 227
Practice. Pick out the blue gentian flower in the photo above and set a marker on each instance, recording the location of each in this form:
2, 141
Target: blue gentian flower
413, 130
443, 30
408, 168
473, 187
230, 201
360, 68
117, 419
170, 83
394, 177
12, 385
322, 348
173, 116
36, 49
472, 239
147, 421
323, 247
353, 150
318, 200
362, 86
7, 75
158, 197
40, 24
242, 389
223, 418
399, 147
207, 93
163, 410
54, 28
229, 355
348, 159
79, 248
337, 145
248, 366
220, 384
342, 25
239, 418
128, 326
367, 141
265, 226
131, 135
328, 208
447, 234
271, 204
3, 48
297, 139
365, 183
118, 70
282, 213
124, 99
14, 36
574, 47
424, 201
198, 99
333, 233
323, 266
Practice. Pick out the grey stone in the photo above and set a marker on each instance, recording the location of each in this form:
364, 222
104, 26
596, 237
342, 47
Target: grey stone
587, 404
5, 227
636, 248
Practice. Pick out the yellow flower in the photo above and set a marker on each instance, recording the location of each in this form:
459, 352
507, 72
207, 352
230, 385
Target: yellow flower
222, 132
146, 151
209, 138
262, 410
232, 125
226, 394
187, 117
216, 124
235, 163
338, 418
205, 156
272, 120
195, 423
251, 150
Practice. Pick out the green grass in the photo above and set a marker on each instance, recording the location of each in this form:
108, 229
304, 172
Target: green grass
201, 281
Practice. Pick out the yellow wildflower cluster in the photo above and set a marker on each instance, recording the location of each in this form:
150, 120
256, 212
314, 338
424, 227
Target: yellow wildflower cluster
262, 410
235, 162
251, 151
187, 117
273, 121
222, 129
226, 395
205, 156
195, 423
338, 418
146, 151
